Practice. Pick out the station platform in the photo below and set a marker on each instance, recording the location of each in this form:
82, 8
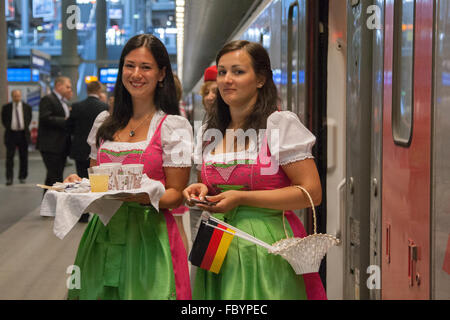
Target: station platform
33, 261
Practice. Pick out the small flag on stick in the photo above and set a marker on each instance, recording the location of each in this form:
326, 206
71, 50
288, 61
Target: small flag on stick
211, 245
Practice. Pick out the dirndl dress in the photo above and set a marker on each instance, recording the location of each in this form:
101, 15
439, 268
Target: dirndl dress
139, 254
249, 271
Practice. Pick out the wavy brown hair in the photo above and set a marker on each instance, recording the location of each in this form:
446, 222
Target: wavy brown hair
266, 102
165, 97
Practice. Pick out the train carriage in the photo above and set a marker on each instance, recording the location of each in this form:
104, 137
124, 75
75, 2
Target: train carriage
370, 78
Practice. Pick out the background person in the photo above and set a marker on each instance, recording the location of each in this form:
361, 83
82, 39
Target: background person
80, 123
103, 97
208, 91
16, 118
53, 139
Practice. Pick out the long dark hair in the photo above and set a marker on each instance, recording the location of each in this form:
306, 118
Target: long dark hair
165, 96
266, 102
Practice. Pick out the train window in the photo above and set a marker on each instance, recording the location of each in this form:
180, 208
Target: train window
403, 72
296, 59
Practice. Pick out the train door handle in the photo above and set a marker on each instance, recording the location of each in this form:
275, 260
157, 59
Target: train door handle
375, 187
388, 243
351, 185
412, 261
332, 137
340, 232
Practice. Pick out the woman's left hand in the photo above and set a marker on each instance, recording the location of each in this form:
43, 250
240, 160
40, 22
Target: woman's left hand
225, 201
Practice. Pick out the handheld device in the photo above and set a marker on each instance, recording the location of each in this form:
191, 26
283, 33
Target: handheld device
204, 202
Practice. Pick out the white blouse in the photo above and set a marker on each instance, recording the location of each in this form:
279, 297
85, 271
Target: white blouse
287, 138
176, 139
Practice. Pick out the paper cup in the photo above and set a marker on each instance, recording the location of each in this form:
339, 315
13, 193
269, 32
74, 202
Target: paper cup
124, 182
135, 172
113, 169
115, 165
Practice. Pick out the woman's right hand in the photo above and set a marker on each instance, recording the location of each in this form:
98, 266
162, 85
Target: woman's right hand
72, 178
199, 190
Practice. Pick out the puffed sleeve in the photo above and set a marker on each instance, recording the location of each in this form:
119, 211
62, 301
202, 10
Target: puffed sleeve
177, 142
288, 139
93, 133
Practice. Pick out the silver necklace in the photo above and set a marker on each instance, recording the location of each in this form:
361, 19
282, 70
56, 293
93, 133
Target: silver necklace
133, 131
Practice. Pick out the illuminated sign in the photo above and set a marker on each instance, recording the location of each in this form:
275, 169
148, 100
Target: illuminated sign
43, 9
108, 75
22, 75
40, 61
89, 79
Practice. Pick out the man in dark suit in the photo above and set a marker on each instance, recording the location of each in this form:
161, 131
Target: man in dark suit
53, 139
80, 123
16, 118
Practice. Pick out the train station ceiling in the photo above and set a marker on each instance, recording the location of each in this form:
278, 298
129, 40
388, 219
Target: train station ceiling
208, 26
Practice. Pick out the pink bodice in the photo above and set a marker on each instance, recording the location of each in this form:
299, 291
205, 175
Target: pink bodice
151, 156
263, 173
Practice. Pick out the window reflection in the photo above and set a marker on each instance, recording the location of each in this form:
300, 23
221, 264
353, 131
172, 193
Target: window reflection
402, 107
39, 25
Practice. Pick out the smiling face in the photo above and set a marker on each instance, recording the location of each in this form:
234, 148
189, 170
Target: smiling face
237, 81
140, 74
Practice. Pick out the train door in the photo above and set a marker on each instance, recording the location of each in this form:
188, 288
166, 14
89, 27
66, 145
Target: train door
336, 102
373, 273
293, 66
407, 149
304, 72
440, 248
358, 150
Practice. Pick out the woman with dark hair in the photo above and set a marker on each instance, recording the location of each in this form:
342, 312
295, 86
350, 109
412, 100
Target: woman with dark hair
250, 171
140, 254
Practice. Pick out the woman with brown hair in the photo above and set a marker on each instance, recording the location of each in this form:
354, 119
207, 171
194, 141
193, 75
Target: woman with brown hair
140, 254
251, 178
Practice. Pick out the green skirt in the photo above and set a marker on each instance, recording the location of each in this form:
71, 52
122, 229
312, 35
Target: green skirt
249, 272
129, 258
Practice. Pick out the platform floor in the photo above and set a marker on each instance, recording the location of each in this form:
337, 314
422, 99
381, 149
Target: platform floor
33, 261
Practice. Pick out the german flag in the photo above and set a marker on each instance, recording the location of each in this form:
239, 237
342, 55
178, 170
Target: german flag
211, 245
